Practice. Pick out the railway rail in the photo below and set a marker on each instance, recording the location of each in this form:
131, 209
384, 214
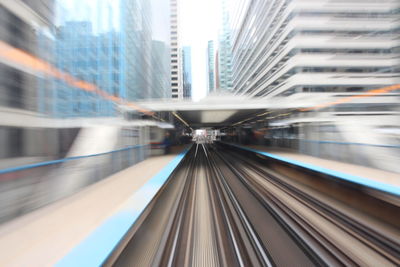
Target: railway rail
222, 207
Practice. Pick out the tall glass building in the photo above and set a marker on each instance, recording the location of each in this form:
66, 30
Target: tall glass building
225, 51
187, 71
87, 57
119, 47
210, 66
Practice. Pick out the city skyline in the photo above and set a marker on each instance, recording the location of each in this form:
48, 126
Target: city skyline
196, 32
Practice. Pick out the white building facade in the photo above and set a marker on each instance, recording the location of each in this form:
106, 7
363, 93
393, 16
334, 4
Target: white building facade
284, 47
176, 55
342, 56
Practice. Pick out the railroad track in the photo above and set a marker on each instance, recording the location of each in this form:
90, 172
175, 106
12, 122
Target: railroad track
222, 208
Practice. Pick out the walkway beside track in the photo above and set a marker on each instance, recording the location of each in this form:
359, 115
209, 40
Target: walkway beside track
44, 236
389, 178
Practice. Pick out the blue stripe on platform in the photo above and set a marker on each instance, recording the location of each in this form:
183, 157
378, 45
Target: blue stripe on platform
95, 249
346, 143
391, 189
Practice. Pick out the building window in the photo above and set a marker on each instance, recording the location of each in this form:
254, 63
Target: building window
174, 38
174, 78
174, 84
174, 90
174, 61
174, 73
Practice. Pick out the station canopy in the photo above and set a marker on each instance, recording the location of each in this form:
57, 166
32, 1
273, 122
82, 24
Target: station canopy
225, 110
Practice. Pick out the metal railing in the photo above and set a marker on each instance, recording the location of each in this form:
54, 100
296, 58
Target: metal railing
28, 187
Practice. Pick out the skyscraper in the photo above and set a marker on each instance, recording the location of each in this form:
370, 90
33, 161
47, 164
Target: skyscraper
225, 54
216, 72
87, 57
161, 77
286, 47
121, 47
176, 60
210, 67
187, 71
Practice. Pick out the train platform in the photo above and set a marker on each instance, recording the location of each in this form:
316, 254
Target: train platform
225, 206
381, 176
43, 237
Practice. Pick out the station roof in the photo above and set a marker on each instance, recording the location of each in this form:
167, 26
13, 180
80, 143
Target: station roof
222, 111
227, 110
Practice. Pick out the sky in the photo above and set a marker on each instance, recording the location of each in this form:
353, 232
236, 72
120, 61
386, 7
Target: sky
199, 23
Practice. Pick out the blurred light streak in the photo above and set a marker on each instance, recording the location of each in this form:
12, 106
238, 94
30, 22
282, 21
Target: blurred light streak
17, 56
369, 93
182, 120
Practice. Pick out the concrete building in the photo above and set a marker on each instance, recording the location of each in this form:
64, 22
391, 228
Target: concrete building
25, 26
176, 59
187, 71
286, 47
22, 26
210, 67
329, 52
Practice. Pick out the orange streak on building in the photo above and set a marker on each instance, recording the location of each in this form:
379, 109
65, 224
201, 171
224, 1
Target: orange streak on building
369, 93
19, 57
